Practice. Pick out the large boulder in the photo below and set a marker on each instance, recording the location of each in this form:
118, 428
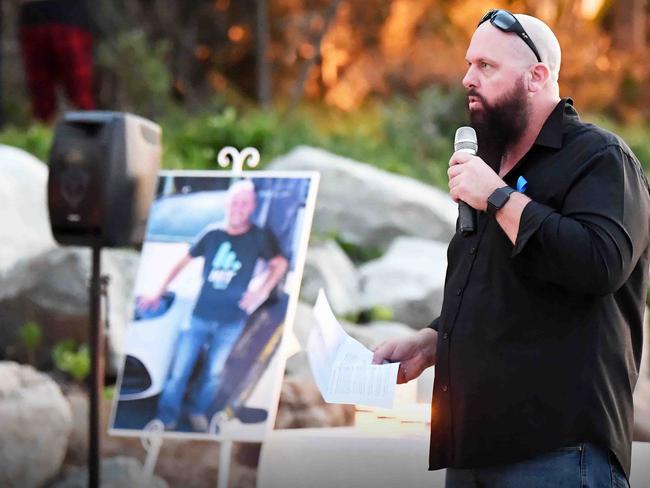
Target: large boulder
370, 207
51, 289
25, 229
409, 279
35, 423
117, 472
328, 267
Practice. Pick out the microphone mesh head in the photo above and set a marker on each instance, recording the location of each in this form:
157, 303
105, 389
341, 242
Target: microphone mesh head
465, 139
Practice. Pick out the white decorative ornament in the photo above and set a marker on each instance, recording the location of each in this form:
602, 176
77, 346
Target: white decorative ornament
230, 155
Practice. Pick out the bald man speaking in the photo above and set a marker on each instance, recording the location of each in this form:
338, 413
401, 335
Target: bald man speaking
538, 344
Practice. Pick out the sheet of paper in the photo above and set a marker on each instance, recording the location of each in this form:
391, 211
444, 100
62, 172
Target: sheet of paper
342, 365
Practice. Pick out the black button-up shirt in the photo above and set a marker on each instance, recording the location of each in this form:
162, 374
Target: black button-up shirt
539, 343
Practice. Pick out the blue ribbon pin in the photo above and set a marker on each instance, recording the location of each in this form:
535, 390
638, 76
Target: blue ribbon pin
522, 184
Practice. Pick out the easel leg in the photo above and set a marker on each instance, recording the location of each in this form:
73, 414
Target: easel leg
152, 446
225, 452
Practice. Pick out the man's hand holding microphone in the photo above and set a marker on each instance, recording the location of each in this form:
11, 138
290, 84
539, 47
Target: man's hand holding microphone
471, 180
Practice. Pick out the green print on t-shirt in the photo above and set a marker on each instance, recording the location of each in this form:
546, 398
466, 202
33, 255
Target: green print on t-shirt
224, 266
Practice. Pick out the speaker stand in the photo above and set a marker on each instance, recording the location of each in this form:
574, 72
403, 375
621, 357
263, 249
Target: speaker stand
96, 368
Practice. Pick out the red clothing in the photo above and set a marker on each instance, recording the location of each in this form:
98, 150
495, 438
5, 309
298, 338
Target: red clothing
57, 53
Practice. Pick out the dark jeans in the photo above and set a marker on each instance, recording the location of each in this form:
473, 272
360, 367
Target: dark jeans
220, 339
580, 466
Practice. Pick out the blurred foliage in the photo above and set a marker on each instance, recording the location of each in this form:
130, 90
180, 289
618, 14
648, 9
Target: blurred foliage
381, 313
153, 57
421, 131
412, 136
31, 336
109, 392
132, 75
378, 313
195, 142
72, 360
35, 139
406, 136
358, 254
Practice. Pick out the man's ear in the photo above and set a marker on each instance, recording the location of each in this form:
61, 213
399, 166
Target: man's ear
538, 75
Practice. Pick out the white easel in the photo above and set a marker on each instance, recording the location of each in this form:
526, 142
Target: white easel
152, 441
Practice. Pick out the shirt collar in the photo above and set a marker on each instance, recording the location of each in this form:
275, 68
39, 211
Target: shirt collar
553, 128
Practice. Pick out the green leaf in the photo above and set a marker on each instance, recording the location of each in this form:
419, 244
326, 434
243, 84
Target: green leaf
32, 335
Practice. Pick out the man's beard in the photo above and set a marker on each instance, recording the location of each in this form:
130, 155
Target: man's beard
500, 124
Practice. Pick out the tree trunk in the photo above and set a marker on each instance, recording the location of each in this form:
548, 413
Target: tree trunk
262, 37
629, 29
299, 87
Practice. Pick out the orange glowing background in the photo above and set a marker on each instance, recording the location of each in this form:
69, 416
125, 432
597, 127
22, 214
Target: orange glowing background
345, 52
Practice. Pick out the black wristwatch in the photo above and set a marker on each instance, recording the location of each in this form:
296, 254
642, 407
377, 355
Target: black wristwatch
498, 199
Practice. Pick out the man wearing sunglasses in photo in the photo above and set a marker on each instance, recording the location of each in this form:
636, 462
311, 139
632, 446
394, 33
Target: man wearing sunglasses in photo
538, 344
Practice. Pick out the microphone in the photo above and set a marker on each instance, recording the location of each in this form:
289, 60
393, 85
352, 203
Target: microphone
465, 141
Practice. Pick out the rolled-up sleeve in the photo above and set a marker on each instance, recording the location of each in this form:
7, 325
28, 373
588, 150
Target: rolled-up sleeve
592, 242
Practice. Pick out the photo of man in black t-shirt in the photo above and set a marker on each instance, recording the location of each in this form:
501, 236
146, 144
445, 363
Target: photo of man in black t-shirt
230, 252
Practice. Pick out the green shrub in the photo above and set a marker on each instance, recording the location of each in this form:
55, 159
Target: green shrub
109, 392
381, 313
35, 139
71, 359
358, 254
420, 132
409, 136
195, 142
141, 79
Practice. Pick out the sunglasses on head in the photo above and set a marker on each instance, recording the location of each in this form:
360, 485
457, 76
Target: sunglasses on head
507, 22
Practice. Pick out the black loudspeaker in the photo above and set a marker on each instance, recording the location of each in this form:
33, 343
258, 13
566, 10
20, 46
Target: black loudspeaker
103, 169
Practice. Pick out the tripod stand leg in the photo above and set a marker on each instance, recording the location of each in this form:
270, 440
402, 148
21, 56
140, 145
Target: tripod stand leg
96, 370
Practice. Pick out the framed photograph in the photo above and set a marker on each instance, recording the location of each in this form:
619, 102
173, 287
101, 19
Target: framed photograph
216, 290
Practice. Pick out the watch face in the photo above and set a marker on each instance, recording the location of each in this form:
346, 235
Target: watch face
498, 199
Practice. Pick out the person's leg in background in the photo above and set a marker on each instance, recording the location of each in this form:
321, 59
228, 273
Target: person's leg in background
40, 70
73, 47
